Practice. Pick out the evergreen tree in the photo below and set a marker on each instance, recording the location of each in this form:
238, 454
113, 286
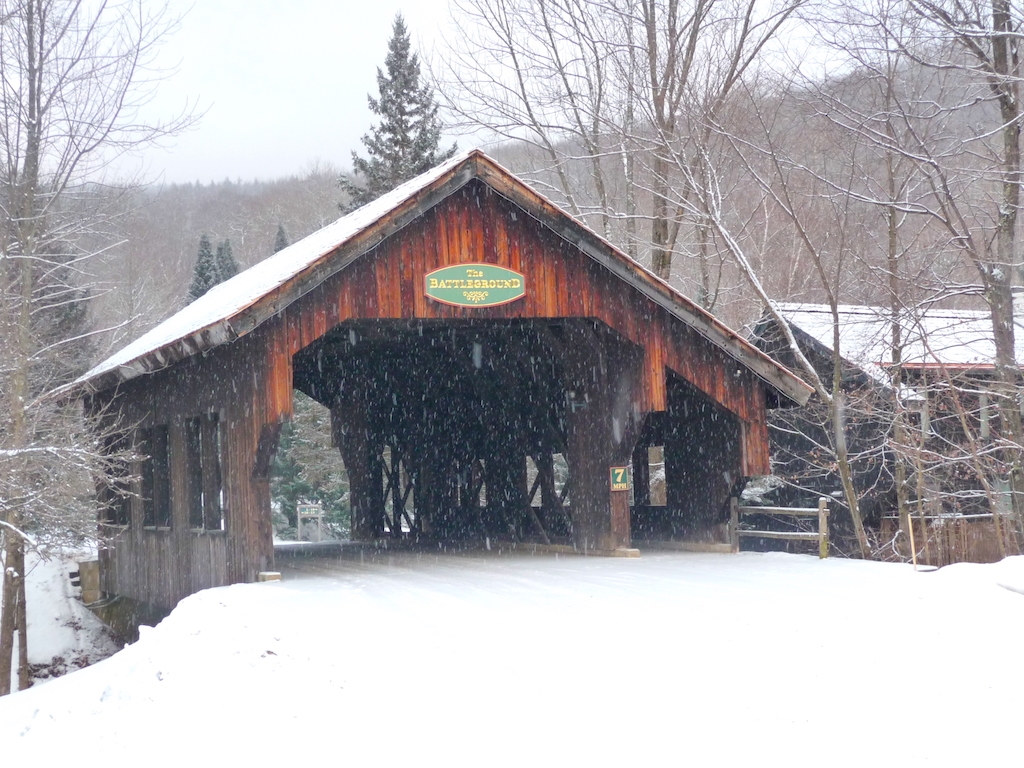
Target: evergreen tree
225, 262
306, 469
281, 240
406, 142
204, 276
211, 268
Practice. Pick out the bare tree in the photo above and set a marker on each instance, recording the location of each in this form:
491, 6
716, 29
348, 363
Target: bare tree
980, 41
73, 76
824, 225
608, 95
916, 83
958, 133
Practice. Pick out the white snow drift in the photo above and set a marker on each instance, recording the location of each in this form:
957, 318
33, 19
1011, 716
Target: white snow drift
484, 660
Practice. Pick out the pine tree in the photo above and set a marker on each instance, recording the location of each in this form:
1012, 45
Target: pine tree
306, 469
225, 262
406, 142
211, 268
281, 240
204, 276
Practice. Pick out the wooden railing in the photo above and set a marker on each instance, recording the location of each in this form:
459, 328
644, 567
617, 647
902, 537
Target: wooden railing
736, 532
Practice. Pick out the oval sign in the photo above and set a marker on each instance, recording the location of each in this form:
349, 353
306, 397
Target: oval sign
474, 285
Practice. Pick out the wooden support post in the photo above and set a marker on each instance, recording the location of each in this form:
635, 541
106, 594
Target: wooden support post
605, 382
352, 433
620, 518
734, 524
641, 475
822, 528
589, 457
537, 524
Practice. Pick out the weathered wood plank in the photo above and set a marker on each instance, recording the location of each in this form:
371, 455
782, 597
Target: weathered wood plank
788, 511
792, 535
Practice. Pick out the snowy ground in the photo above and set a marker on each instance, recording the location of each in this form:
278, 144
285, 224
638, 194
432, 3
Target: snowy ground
63, 634
481, 660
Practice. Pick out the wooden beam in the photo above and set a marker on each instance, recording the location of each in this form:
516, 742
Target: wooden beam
792, 535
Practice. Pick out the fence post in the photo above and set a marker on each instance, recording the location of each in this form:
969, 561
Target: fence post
822, 528
734, 524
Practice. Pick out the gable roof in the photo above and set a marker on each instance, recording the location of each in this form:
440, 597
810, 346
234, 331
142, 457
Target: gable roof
951, 338
237, 306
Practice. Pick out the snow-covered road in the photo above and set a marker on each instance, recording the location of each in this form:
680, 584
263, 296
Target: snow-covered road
482, 659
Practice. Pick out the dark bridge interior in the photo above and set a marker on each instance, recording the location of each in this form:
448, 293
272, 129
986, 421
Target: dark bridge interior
464, 429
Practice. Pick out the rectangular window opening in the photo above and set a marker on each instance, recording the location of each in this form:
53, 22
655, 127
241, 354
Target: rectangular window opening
115, 488
194, 464
213, 479
156, 477
656, 475
203, 462
561, 471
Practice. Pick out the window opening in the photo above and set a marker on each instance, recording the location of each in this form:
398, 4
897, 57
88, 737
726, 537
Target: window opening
203, 461
656, 475
194, 462
115, 489
156, 477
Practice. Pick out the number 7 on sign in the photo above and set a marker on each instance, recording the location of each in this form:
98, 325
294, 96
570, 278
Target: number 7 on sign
619, 477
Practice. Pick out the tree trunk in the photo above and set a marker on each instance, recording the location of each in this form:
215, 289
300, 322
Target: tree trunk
661, 253
7, 618
21, 618
998, 286
24, 227
845, 471
1000, 298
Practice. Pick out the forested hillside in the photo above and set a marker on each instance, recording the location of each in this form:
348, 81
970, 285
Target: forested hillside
146, 276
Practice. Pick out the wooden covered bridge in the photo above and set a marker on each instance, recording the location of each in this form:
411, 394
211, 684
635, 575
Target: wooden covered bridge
454, 327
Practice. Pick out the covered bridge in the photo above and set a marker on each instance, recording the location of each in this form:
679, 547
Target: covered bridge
454, 327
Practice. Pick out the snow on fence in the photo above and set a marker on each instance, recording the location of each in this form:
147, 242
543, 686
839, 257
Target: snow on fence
736, 532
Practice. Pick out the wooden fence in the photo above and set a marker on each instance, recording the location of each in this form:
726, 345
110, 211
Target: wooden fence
736, 532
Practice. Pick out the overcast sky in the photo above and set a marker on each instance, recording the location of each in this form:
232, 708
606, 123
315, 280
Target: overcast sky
283, 83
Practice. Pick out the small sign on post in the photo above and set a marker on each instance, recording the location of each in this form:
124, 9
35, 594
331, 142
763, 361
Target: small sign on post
307, 514
619, 478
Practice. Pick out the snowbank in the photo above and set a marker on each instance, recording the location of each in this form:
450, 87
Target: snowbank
481, 660
63, 634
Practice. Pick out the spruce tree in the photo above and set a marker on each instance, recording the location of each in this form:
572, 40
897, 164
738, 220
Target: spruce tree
204, 276
407, 140
211, 268
227, 267
281, 240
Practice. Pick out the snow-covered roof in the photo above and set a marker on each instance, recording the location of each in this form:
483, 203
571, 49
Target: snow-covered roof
203, 320
236, 306
953, 338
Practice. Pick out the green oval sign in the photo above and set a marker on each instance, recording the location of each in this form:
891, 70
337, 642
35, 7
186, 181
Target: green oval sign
474, 285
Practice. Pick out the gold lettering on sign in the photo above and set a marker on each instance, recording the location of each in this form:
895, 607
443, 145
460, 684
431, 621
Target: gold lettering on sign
474, 285
435, 283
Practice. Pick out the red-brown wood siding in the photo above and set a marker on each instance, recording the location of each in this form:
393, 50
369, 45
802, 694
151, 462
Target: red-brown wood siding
249, 382
478, 225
